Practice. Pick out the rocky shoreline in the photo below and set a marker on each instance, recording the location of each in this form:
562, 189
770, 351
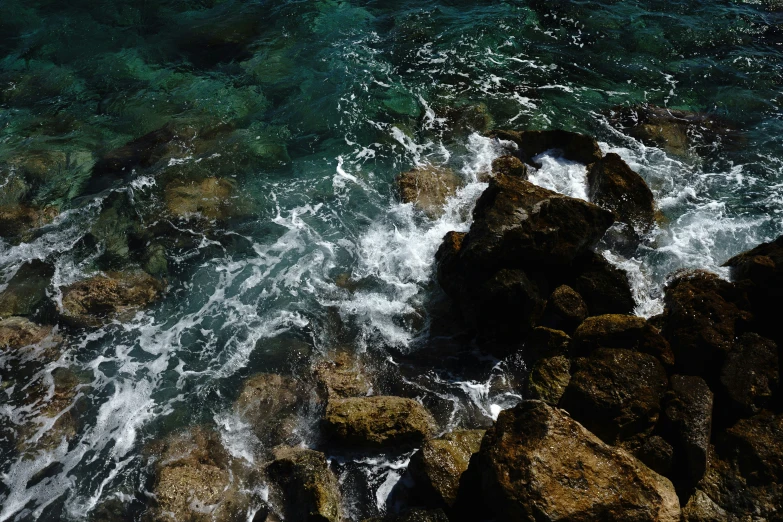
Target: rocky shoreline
673, 418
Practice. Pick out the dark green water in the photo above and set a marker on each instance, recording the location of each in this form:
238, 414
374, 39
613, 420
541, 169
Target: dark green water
309, 109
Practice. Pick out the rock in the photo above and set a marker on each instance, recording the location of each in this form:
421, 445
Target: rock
656, 454
622, 331
704, 316
750, 375
309, 488
428, 188
375, 422
612, 184
549, 379
117, 227
104, 298
565, 309
210, 198
546, 342
604, 287
573, 146
687, 423
701, 508
19, 220
438, 466
26, 291
414, 515
18, 332
538, 464
757, 444
518, 224
447, 258
509, 166
616, 393
270, 403
341, 376
141, 152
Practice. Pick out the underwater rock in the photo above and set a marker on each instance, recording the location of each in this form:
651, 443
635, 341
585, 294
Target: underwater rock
209, 198
103, 298
270, 403
538, 464
565, 309
604, 287
19, 220
55, 176
616, 393
622, 331
509, 166
467, 118
141, 152
26, 291
341, 376
612, 184
115, 228
687, 423
428, 188
573, 146
751, 374
438, 466
549, 379
309, 489
375, 422
704, 314
18, 332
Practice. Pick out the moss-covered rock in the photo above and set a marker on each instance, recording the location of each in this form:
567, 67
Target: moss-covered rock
549, 379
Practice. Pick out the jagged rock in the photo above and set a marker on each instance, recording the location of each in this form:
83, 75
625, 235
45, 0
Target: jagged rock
546, 342
616, 393
687, 422
381, 421
622, 331
270, 403
549, 379
704, 316
103, 298
573, 146
438, 466
750, 375
538, 464
612, 184
210, 198
414, 515
428, 188
309, 488
604, 287
17, 221
26, 291
518, 224
701, 508
509, 166
565, 309
341, 376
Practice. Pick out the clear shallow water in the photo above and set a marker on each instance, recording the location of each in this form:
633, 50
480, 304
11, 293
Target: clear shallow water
311, 109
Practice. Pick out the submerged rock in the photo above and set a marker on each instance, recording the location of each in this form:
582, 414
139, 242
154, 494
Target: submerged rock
428, 188
573, 146
104, 298
270, 403
19, 220
26, 291
616, 393
309, 489
438, 466
18, 332
565, 309
373, 422
622, 331
210, 198
538, 464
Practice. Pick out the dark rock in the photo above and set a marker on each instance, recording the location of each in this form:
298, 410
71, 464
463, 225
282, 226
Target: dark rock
341, 376
116, 229
750, 375
449, 275
549, 379
538, 464
438, 466
656, 454
758, 446
18, 332
604, 287
616, 393
687, 423
565, 309
309, 489
622, 331
270, 403
141, 152
414, 515
26, 291
509, 166
704, 316
428, 188
546, 342
573, 146
19, 220
612, 184
375, 422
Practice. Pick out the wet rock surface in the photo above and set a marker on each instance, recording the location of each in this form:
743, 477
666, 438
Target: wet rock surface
270, 403
750, 377
565, 309
210, 198
428, 188
341, 376
549, 379
622, 331
573, 146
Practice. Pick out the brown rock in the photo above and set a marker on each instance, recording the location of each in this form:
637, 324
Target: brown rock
428, 188
341, 376
687, 421
309, 488
538, 464
701, 508
271, 403
573, 146
509, 166
210, 198
622, 331
18, 332
546, 342
750, 376
565, 309
19, 220
549, 379
447, 259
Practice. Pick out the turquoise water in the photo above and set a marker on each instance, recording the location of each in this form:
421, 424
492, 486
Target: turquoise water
309, 109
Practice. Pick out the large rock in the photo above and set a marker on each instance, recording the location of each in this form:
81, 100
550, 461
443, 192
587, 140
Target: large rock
210, 198
612, 184
341, 376
622, 331
751, 374
616, 393
687, 422
603, 286
565, 309
438, 466
309, 489
376, 422
549, 379
704, 314
428, 188
103, 298
270, 403
537, 464
573, 146
518, 224
509, 166
26, 291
